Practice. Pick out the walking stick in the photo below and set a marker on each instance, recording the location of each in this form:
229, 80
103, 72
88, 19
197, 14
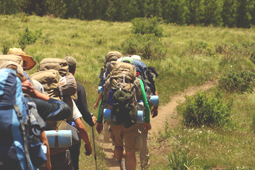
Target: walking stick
94, 145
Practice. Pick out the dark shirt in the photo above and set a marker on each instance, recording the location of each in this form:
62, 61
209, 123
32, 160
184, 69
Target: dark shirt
82, 104
51, 109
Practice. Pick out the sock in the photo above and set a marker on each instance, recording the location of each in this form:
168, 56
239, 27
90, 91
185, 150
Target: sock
122, 164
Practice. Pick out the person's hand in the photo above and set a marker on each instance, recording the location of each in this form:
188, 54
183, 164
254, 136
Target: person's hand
95, 105
154, 111
99, 128
94, 119
146, 126
88, 149
28, 88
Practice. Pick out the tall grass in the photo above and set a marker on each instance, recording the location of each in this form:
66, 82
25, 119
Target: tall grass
194, 55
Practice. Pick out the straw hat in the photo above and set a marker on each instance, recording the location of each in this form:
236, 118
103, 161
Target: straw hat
29, 62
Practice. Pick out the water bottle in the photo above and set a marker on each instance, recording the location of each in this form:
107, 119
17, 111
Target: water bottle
140, 105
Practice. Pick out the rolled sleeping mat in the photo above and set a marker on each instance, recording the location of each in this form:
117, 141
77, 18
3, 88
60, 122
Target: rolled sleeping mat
99, 88
109, 116
63, 137
154, 100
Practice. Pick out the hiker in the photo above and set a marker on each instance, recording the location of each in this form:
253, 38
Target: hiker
20, 146
144, 150
124, 131
83, 108
54, 74
110, 57
27, 64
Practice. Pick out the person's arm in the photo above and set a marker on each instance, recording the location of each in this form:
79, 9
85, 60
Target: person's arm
44, 139
99, 126
84, 136
28, 88
98, 100
51, 109
83, 106
146, 123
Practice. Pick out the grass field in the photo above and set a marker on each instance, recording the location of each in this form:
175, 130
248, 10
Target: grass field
194, 55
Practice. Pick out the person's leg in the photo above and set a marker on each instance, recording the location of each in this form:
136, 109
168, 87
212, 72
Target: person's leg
75, 153
130, 161
118, 152
144, 150
132, 138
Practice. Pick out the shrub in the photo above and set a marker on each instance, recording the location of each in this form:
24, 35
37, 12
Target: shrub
147, 26
47, 39
28, 37
6, 46
148, 46
237, 81
205, 109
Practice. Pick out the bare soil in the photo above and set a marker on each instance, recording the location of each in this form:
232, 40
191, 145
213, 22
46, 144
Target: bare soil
166, 113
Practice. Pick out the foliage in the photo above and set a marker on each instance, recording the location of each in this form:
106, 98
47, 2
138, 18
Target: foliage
237, 81
28, 37
6, 46
148, 46
147, 26
205, 109
178, 160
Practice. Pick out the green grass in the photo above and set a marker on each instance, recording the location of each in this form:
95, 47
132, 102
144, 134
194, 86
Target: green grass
194, 55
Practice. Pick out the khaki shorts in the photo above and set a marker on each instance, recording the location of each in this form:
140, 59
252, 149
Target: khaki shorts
130, 136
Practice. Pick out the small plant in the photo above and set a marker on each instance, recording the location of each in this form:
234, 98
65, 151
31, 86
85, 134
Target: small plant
47, 39
148, 46
147, 26
24, 17
100, 41
179, 160
6, 47
28, 37
75, 35
205, 109
237, 81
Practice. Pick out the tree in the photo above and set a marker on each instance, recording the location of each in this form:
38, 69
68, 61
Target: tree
242, 15
212, 12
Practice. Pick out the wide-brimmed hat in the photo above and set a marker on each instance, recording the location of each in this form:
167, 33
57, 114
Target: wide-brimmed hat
29, 62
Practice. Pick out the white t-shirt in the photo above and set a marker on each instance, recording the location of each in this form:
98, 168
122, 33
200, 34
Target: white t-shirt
76, 112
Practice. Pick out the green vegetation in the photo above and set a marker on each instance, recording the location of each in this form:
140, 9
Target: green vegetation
28, 37
205, 109
237, 81
192, 55
228, 13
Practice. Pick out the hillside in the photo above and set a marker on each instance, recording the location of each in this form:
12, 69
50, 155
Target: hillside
194, 55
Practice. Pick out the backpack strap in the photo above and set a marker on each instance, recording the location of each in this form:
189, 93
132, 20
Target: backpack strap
22, 125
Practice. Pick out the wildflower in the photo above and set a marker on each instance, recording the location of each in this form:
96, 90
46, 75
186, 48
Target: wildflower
231, 66
218, 77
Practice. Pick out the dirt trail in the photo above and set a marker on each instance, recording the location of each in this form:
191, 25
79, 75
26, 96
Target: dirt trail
166, 112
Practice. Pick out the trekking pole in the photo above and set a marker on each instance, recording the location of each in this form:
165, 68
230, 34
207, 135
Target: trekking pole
94, 145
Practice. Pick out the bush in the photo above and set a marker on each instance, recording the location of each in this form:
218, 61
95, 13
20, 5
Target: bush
6, 46
148, 46
28, 37
237, 81
147, 26
179, 160
205, 109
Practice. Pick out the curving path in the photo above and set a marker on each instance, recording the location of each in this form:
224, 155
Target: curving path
166, 112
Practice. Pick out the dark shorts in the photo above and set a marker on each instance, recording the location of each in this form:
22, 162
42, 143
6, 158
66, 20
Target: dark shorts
61, 161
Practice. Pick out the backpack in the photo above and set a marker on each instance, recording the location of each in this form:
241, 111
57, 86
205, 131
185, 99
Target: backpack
15, 58
17, 145
147, 75
123, 75
110, 56
59, 84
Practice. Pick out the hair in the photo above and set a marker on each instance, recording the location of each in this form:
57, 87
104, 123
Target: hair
71, 69
21, 77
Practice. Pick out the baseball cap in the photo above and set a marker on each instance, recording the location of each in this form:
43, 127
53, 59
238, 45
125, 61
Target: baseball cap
71, 62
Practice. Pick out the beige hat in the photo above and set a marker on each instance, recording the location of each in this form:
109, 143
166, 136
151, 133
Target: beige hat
15, 66
29, 62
